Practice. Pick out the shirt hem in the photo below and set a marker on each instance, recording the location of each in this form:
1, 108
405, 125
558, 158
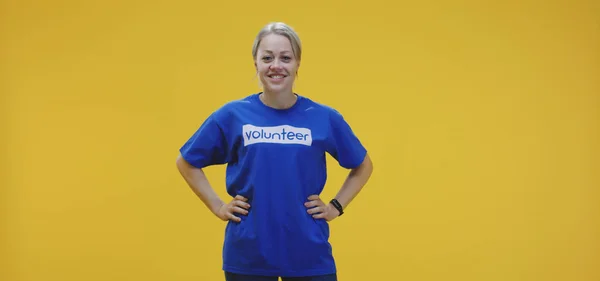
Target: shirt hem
282, 273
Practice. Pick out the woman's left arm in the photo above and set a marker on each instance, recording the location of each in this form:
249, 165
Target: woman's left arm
356, 180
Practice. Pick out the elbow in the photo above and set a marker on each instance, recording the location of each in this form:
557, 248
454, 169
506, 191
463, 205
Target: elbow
181, 164
178, 160
365, 169
184, 166
367, 165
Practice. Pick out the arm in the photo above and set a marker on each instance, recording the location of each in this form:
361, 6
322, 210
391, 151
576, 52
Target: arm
198, 182
343, 145
356, 180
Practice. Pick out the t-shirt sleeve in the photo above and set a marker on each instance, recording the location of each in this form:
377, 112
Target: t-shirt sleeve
208, 145
343, 144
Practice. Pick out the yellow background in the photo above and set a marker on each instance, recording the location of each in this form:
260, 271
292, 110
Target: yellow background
481, 118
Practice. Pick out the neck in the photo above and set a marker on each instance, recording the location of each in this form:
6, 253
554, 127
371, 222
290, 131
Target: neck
278, 100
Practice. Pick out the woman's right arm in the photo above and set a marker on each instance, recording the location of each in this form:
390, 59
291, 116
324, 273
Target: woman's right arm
198, 182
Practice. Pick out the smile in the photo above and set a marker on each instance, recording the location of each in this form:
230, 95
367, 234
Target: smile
277, 76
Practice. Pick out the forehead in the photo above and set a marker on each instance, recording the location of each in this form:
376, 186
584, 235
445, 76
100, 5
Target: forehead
275, 43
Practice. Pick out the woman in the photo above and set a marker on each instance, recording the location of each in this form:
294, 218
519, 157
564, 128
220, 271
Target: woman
274, 144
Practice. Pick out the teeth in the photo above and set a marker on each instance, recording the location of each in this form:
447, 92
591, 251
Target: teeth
277, 76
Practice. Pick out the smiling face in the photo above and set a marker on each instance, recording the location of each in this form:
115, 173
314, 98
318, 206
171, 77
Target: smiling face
276, 64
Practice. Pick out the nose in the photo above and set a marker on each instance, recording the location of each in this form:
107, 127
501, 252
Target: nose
276, 64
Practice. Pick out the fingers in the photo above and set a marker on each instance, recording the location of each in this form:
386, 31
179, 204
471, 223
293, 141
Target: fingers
320, 215
238, 205
233, 218
239, 210
314, 203
318, 209
242, 204
316, 206
315, 210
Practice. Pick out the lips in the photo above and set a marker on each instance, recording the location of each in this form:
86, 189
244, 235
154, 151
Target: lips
277, 76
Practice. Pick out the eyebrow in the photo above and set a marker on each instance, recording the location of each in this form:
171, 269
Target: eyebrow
269, 51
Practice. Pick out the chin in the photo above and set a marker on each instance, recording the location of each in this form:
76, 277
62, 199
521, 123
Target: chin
277, 88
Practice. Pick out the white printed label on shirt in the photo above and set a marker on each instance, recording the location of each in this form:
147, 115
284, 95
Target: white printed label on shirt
283, 134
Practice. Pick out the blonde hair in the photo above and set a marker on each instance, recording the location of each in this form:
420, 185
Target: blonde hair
282, 29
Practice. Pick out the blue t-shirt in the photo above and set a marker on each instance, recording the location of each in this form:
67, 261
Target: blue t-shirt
276, 159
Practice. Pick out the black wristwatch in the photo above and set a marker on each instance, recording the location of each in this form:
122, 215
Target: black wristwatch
337, 205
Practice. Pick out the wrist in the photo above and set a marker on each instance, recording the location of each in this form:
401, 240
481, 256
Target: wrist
333, 210
337, 206
216, 206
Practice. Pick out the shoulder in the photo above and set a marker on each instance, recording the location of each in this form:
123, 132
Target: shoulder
329, 111
237, 103
227, 110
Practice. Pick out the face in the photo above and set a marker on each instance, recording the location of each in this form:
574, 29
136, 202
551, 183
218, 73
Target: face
276, 64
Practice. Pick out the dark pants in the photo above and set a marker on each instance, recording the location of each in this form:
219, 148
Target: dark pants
238, 277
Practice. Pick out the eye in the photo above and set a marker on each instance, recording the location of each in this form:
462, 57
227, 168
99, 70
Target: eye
287, 58
265, 58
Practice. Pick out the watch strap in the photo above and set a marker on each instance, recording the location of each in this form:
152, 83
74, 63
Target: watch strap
336, 204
